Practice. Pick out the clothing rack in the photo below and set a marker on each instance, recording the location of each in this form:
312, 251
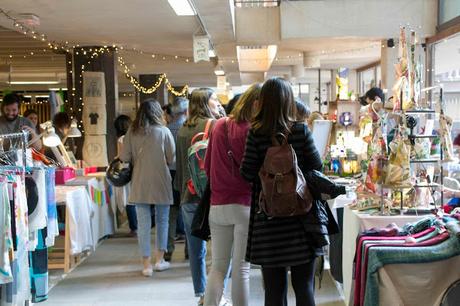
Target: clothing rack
23, 138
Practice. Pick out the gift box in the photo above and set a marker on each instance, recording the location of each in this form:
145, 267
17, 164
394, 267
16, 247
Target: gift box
89, 170
64, 174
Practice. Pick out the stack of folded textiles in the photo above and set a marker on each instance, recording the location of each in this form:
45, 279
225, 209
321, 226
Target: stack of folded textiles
428, 240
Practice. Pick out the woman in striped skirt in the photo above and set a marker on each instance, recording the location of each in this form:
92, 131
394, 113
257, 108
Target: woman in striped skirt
279, 244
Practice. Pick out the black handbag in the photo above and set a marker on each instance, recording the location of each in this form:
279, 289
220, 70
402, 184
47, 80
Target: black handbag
119, 173
200, 222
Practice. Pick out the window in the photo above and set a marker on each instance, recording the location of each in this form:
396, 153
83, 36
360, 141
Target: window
448, 10
446, 66
368, 78
301, 89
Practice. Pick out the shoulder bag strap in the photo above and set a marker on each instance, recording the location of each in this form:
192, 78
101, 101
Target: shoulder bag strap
229, 148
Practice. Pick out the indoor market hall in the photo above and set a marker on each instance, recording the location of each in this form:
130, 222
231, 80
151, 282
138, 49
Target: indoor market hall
230, 153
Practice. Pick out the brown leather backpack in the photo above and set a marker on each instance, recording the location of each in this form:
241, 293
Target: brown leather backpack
284, 190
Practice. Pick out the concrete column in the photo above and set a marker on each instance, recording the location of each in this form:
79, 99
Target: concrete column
333, 85
389, 57
105, 62
161, 94
353, 81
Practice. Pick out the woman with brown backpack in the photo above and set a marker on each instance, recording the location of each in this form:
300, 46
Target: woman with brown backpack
279, 152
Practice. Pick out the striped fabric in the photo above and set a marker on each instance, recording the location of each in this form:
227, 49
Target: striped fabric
280, 242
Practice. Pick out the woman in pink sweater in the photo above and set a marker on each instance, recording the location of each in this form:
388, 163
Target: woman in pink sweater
230, 201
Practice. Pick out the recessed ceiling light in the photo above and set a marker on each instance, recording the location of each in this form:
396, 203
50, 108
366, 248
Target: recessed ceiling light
34, 82
219, 72
182, 7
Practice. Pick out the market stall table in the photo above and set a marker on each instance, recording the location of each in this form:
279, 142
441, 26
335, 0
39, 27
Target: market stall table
103, 222
335, 249
78, 235
355, 222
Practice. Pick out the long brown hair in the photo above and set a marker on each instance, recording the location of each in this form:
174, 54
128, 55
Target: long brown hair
276, 109
198, 106
148, 114
244, 107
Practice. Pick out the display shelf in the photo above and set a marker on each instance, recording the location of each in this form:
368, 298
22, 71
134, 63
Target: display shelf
424, 161
424, 136
420, 111
427, 186
397, 187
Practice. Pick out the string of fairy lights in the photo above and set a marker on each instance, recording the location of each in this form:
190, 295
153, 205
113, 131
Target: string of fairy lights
67, 47
95, 52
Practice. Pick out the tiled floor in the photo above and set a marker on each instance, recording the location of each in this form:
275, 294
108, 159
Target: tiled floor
111, 276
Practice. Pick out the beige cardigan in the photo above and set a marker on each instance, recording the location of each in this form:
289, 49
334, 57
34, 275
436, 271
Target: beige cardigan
150, 153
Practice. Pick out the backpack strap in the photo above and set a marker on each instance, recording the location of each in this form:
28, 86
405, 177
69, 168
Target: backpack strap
205, 134
194, 139
207, 129
275, 139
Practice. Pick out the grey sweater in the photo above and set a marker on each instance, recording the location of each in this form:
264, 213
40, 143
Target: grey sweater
150, 153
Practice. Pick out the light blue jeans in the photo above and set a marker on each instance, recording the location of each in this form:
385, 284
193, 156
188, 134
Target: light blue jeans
144, 225
229, 231
196, 250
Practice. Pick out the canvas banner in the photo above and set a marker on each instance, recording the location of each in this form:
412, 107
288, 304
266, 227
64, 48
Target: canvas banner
200, 48
95, 119
94, 88
95, 150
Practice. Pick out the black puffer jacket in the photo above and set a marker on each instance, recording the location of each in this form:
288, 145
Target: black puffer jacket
322, 189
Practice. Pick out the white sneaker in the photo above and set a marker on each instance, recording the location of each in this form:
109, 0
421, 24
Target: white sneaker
147, 272
225, 302
162, 265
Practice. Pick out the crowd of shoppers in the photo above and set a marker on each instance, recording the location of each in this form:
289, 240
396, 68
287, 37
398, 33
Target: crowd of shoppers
161, 192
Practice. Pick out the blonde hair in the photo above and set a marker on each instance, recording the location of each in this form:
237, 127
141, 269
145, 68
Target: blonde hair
244, 107
314, 116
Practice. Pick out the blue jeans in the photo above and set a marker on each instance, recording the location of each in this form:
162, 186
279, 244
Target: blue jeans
132, 219
196, 250
144, 220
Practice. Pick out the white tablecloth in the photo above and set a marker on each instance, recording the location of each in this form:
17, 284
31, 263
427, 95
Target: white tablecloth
103, 220
340, 202
80, 209
353, 224
401, 284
